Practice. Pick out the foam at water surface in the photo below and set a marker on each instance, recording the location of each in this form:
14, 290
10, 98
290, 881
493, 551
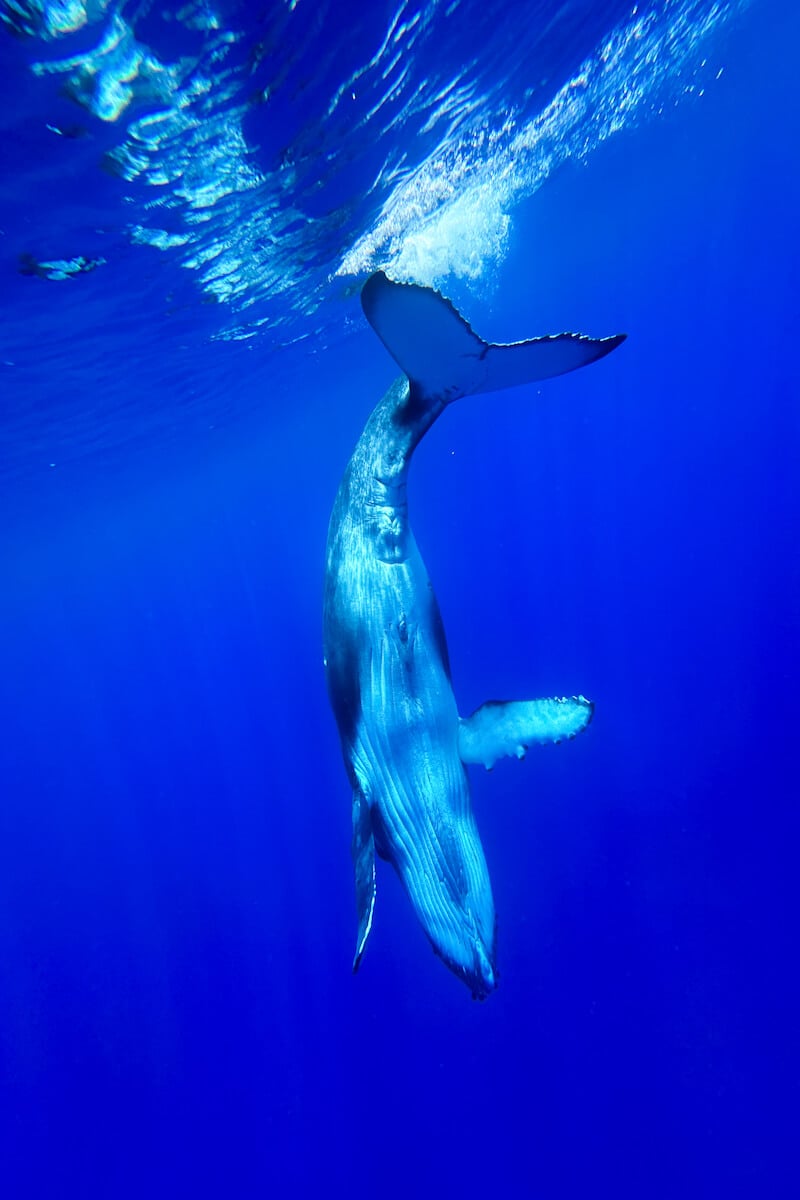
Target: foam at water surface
453, 216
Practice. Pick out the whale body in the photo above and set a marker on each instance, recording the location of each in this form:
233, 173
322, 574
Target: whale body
404, 745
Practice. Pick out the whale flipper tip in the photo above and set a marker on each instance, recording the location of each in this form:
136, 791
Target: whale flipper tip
503, 728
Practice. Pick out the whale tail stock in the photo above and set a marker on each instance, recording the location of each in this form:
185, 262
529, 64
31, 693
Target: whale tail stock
445, 359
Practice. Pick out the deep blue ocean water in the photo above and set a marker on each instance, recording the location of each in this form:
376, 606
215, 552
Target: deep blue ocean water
177, 1012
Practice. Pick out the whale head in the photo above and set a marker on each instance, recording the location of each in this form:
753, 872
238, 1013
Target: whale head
473, 960
445, 875
465, 943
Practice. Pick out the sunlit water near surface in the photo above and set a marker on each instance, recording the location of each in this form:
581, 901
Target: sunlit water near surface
232, 172
191, 197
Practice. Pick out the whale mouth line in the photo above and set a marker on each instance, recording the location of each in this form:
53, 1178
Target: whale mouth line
480, 987
482, 978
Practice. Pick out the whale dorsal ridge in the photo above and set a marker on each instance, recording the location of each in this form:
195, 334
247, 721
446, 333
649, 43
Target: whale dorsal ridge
443, 356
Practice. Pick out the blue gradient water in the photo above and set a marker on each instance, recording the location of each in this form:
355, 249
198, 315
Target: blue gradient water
177, 1015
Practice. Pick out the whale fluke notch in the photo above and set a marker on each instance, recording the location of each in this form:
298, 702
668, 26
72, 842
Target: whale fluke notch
443, 356
506, 728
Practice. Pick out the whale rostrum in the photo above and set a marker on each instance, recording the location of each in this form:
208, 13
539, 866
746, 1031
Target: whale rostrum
404, 745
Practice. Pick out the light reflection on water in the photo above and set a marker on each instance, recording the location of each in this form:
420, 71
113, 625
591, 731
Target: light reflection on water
258, 165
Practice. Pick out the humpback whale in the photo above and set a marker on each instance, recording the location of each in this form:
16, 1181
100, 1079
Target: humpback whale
404, 744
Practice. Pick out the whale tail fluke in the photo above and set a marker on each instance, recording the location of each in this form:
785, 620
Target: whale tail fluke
444, 357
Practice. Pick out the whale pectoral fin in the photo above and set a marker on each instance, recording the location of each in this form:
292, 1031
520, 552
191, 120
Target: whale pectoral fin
508, 727
363, 851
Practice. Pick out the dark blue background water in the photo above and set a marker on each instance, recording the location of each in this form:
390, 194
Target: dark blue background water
177, 1015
